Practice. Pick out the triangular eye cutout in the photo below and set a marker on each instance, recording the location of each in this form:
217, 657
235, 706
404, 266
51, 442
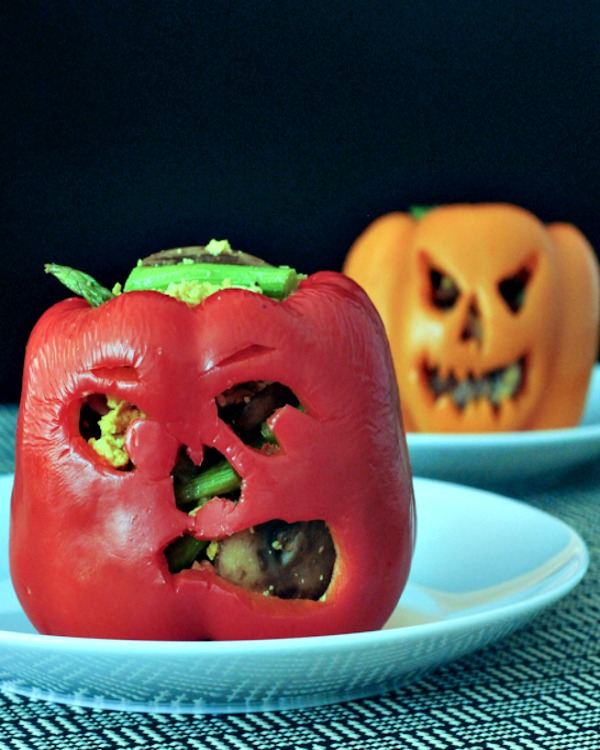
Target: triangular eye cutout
513, 288
441, 289
444, 290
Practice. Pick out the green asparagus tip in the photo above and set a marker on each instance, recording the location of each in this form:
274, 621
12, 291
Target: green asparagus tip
80, 283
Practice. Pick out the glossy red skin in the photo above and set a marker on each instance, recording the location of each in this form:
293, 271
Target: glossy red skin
87, 541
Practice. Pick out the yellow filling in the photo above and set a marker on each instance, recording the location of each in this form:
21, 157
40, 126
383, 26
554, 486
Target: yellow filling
113, 426
194, 292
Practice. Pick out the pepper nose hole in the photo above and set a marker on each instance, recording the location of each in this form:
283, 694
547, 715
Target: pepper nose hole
194, 485
473, 326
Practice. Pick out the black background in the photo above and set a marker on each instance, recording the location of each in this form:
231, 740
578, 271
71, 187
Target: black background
284, 126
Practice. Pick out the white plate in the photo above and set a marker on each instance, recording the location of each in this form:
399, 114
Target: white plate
502, 458
484, 565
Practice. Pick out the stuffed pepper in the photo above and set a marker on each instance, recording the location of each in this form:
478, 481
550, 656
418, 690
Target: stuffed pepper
493, 316
213, 450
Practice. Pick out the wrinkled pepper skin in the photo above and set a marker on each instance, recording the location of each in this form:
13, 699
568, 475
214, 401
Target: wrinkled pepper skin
87, 541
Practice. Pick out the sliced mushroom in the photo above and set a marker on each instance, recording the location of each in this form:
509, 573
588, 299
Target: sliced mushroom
199, 254
290, 561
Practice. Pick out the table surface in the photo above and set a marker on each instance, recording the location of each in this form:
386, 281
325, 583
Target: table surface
537, 689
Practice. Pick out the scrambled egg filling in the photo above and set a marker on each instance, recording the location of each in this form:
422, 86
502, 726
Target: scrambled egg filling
219, 247
113, 426
194, 292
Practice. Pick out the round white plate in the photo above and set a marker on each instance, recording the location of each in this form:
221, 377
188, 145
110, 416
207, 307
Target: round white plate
483, 566
494, 459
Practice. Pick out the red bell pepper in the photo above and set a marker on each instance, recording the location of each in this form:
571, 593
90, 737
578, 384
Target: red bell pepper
135, 549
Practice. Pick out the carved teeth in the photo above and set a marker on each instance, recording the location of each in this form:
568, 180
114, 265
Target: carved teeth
496, 385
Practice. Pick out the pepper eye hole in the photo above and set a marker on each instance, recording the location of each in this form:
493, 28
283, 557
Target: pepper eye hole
443, 289
513, 289
103, 423
247, 407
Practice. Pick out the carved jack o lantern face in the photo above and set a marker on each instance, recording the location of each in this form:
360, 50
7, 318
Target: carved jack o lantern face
476, 325
492, 316
109, 539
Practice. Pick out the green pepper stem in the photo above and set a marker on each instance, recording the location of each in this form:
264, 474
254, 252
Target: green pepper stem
218, 480
273, 281
80, 283
418, 212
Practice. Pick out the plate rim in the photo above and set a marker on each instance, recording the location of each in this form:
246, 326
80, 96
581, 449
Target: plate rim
531, 437
364, 639
503, 460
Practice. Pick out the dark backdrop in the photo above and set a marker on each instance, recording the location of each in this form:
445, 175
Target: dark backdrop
284, 126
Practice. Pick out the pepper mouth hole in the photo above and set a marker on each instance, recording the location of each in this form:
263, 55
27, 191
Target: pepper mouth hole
497, 386
103, 423
284, 560
247, 407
